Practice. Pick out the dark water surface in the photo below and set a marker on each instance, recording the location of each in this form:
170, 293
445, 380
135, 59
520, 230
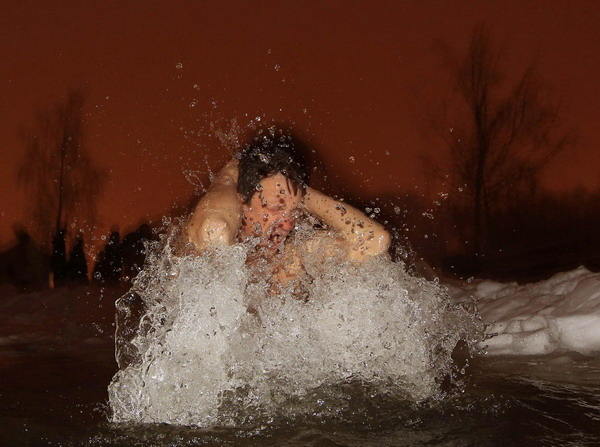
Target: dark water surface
53, 383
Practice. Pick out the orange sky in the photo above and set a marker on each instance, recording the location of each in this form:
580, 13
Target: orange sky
356, 77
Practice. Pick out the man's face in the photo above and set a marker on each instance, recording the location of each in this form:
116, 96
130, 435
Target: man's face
272, 211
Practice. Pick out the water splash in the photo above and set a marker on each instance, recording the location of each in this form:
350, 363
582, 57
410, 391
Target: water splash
191, 353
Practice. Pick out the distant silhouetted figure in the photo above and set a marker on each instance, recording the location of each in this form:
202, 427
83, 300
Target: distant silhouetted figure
110, 260
58, 262
77, 269
133, 250
24, 265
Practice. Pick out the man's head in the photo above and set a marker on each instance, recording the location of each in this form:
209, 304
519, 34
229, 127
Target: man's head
271, 182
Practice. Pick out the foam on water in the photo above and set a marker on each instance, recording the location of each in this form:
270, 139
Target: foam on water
197, 356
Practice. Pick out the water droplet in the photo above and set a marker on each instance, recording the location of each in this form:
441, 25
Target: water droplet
200, 333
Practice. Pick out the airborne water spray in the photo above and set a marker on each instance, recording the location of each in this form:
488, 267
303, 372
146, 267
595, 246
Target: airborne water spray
194, 354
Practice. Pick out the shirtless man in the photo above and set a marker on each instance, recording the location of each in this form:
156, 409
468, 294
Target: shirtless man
262, 196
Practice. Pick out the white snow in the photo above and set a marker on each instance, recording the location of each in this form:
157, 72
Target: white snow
561, 314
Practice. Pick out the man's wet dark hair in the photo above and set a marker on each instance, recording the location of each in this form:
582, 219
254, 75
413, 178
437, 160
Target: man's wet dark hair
271, 151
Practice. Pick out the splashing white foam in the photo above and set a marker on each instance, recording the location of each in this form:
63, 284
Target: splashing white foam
199, 357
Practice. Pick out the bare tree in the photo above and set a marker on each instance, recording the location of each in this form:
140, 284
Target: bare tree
499, 135
57, 169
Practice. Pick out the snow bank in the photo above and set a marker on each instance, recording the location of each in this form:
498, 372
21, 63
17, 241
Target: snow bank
561, 314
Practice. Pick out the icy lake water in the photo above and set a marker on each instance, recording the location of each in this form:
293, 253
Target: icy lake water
57, 359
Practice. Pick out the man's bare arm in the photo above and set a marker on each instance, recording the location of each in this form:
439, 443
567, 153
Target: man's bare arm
364, 236
217, 218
